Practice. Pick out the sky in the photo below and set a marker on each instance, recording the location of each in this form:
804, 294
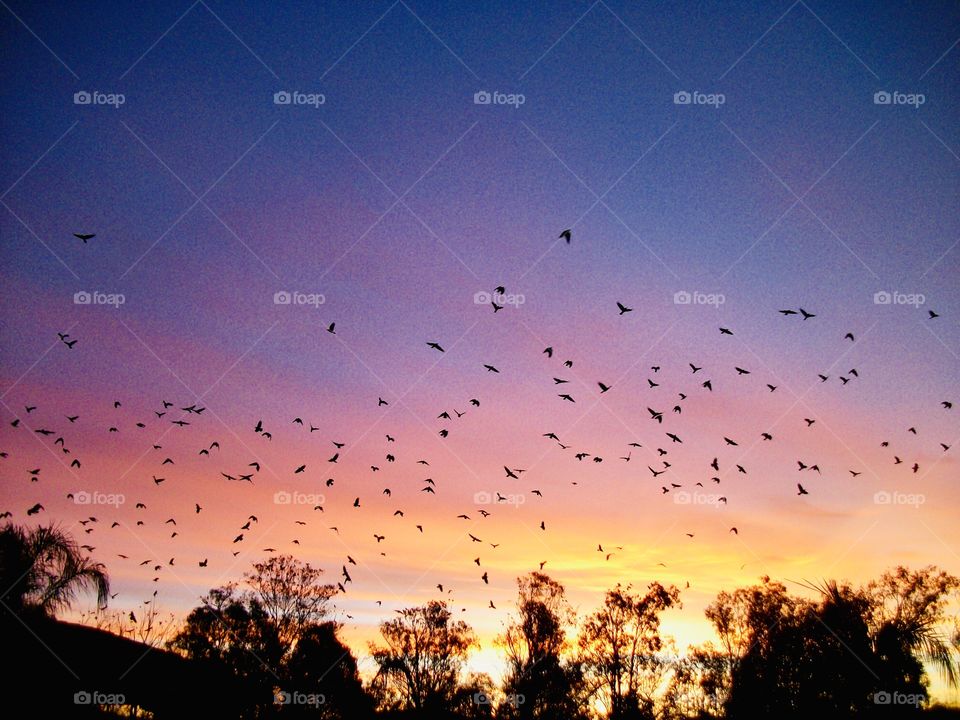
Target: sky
714, 164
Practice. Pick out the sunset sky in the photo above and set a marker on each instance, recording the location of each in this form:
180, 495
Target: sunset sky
386, 208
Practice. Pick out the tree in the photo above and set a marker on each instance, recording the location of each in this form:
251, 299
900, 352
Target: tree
322, 666
834, 673
256, 633
474, 698
291, 594
235, 633
543, 614
832, 656
760, 630
423, 654
43, 570
907, 618
620, 648
699, 685
539, 683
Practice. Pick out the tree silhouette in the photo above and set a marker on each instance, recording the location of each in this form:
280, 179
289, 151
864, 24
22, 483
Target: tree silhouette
539, 683
43, 570
290, 592
321, 665
421, 658
235, 633
269, 634
762, 627
906, 613
842, 655
699, 685
619, 648
836, 673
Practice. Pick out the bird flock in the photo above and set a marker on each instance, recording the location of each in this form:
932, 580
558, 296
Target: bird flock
668, 462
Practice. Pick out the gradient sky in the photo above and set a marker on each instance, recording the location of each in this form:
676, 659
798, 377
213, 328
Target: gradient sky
398, 199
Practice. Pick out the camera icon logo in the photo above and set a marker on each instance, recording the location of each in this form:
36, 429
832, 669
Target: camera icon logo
281, 97
882, 97
482, 297
82, 298
481, 698
882, 298
282, 697
482, 498
82, 98
682, 297
82, 698
82, 498
481, 97
281, 297
882, 698
682, 98
282, 497
882, 498
682, 498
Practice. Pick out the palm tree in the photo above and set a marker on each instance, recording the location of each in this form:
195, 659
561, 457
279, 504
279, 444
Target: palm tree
909, 610
43, 570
